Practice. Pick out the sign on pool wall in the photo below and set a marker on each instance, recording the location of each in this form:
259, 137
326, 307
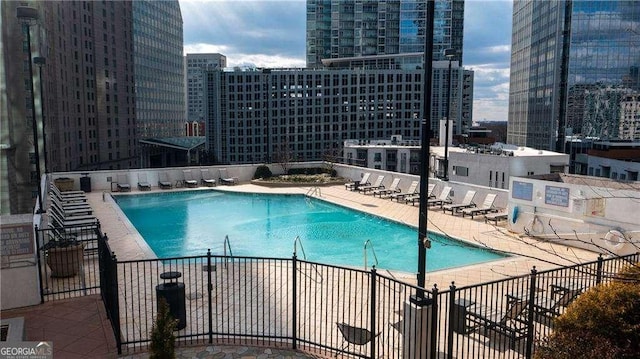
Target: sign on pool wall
556, 196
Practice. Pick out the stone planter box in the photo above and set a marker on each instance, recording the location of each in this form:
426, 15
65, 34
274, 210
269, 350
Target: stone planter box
296, 184
64, 184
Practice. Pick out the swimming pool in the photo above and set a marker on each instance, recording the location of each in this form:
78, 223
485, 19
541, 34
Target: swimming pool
187, 223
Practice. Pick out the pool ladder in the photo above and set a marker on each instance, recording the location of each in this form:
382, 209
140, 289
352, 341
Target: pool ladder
314, 191
227, 245
369, 245
297, 241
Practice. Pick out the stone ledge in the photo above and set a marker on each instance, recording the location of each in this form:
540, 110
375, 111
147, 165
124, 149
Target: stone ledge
297, 184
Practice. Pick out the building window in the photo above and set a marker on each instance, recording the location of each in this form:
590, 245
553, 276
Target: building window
461, 171
377, 157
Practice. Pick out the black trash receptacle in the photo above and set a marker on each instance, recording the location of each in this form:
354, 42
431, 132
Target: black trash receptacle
174, 294
85, 183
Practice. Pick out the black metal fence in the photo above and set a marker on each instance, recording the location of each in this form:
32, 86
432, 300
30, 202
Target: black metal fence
68, 260
329, 309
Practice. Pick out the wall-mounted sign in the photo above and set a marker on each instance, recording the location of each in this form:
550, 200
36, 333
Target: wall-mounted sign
16, 239
522, 190
556, 196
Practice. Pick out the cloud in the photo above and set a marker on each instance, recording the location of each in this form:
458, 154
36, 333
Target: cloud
272, 33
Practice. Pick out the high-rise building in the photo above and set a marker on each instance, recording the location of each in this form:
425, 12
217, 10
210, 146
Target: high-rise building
196, 66
159, 69
83, 63
253, 115
572, 65
348, 29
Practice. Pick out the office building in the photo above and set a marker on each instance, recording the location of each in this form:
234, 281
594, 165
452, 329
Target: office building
251, 115
572, 65
355, 29
630, 118
159, 68
86, 106
195, 67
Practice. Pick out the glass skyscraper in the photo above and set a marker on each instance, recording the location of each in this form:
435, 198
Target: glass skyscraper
159, 68
360, 28
572, 64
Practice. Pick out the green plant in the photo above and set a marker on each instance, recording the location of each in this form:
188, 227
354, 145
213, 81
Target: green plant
163, 341
603, 322
262, 172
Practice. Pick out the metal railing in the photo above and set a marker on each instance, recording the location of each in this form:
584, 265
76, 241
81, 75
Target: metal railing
329, 309
68, 260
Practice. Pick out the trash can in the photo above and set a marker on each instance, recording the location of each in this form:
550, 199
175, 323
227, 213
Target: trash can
174, 294
459, 323
85, 183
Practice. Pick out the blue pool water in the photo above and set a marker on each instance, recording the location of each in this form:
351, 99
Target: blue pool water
264, 225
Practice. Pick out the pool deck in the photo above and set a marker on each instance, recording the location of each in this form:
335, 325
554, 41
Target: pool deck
526, 252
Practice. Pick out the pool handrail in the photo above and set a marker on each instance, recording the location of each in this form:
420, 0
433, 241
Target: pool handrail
369, 244
295, 248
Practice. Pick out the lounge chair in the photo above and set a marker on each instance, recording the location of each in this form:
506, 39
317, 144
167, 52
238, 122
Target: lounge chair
376, 185
189, 181
143, 184
207, 178
164, 182
413, 187
70, 196
442, 199
123, 183
70, 212
63, 222
364, 181
496, 217
467, 202
486, 207
387, 191
503, 321
413, 198
549, 307
226, 179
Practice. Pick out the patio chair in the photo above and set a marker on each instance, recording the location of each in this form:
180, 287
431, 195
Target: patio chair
486, 207
364, 181
442, 199
467, 202
226, 179
143, 184
164, 182
70, 196
355, 335
207, 178
70, 210
500, 215
387, 191
188, 179
413, 188
123, 183
413, 198
549, 307
376, 185
56, 218
505, 321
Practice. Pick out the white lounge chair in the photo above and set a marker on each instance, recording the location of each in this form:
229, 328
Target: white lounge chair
416, 196
486, 207
393, 188
123, 183
226, 179
442, 199
413, 188
143, 184
364, 181
164, 182
207, 178
376, 185
189, 181
467, 202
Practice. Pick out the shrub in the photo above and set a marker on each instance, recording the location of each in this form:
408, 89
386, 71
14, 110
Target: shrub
629, 274
312, 171
262, 172
163, 341
603, 322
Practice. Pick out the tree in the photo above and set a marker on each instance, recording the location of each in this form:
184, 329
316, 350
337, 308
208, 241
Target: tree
604, 322
283, 156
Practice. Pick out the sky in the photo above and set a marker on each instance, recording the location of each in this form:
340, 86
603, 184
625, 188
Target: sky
271, 33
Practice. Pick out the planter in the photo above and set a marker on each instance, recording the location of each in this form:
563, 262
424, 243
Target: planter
65, 261
297, 184
64, 184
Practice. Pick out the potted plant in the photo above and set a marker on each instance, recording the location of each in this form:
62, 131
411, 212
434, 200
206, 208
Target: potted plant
64, 255
64, 184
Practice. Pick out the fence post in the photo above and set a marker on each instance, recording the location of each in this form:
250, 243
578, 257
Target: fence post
599, 270
209, 290
452, 319
294, 306
373, 311
434, 323
40, 271
530, 313
115, 304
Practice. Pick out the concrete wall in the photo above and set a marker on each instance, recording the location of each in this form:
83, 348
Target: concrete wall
577, 215
19, 286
